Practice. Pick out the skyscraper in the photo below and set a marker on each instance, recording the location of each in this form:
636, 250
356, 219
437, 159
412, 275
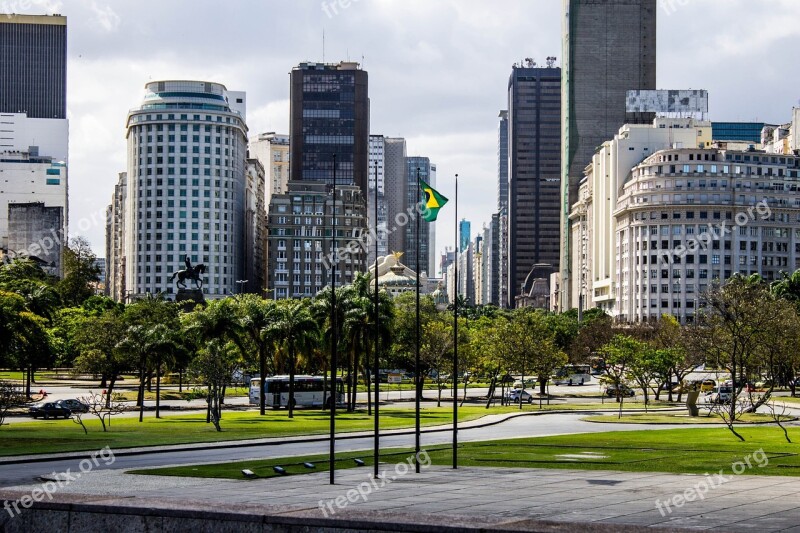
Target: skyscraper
464, 234
330, 115
34, 142
272, 150
186, 181
33, 65
609, 48
502, 161
427, 259
394, 156
534, 155
377, 178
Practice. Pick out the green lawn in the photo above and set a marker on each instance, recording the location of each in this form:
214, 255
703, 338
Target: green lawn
49, 436
697, 451
170, 394
22, 438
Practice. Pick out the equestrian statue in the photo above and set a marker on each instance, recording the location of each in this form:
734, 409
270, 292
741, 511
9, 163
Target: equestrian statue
189, 273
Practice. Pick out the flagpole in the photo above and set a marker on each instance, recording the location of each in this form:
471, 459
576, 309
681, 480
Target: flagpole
334, 259
416, 356
455, 342
376, 366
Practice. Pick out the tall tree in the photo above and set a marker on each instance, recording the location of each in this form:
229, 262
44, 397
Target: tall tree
298, 329
256, 315
80, 272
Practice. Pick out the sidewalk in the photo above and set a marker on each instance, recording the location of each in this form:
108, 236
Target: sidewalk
501, 499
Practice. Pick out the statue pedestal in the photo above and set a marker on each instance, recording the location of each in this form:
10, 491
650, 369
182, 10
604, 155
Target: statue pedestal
189, 298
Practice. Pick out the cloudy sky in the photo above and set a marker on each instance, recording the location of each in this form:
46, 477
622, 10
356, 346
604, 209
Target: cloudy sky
438, 70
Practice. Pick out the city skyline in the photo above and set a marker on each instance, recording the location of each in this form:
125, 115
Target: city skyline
455, 128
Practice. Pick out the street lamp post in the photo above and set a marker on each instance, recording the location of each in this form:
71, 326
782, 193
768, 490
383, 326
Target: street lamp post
240, 283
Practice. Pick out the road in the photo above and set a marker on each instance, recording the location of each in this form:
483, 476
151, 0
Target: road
525, 426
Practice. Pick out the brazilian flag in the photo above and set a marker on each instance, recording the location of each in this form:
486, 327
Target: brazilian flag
433, 202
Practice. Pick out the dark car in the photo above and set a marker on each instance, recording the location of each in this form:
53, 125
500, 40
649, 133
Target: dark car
74, 406
611, 391
48, 410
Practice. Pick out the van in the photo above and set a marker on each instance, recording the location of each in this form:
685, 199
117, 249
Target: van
721, 394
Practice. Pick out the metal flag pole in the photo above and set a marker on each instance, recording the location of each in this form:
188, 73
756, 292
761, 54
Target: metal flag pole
334, 259
417, 388
455, 342
376, 364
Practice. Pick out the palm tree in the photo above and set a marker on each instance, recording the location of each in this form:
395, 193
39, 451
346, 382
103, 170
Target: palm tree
256, 315
321, 311
298, 329
788, 287
147, 345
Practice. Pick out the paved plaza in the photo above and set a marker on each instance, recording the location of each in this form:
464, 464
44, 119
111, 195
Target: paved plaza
504, 498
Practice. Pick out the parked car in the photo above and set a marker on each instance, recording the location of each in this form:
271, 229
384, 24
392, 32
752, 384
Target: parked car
624, 390
74, 406
721, 394
48, 410
514, 394
707, 385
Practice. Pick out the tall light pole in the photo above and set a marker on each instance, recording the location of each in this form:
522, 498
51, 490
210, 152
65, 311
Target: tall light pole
241, 283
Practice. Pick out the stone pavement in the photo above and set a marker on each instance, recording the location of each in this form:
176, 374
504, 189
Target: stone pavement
488, 498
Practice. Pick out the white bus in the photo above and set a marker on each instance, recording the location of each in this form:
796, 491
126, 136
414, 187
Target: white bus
307, 391
573, 375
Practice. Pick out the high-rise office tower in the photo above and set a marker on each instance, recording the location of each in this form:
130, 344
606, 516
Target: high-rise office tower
377, 179
464, 234
33, 65
394, 156
421, 167
609, 48
34, 142
330, 115
502, 161
186, 181
115, 241
534, 155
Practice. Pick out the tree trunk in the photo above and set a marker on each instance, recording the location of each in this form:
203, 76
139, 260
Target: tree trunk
110, 389
542, 386
262, 373
291, 379
492, 386
158, 389
104, 381
464, 399
141, 390
149, 381
439, 387
180, 379
28, 381
368, 380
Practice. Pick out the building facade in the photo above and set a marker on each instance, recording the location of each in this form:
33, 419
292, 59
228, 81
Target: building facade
115, 241
591, 219
502, 161
255, 230
272, 150
396, 189
330, 116
534, 151
32, 235
302, 248
737, 131
377, 180
609, 48
29, 179
419, 168
186, 179
689, 218
33, 65
464, 234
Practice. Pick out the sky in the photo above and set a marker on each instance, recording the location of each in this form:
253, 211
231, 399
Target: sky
438, 71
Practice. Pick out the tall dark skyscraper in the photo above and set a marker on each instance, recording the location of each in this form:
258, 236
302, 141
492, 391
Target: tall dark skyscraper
534, 150
609, 48
502, 161
33, 65
330, 115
